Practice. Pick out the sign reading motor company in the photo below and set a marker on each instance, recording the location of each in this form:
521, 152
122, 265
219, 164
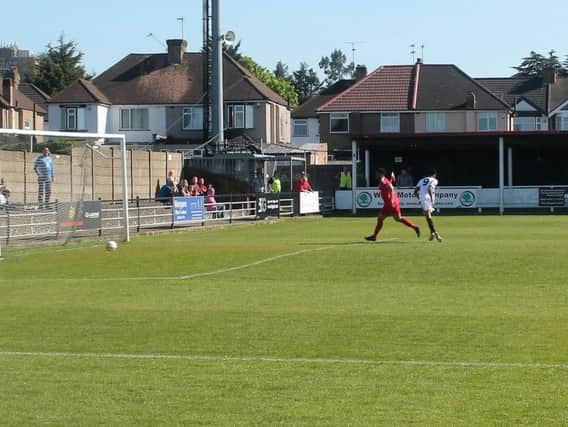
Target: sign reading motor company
446, 197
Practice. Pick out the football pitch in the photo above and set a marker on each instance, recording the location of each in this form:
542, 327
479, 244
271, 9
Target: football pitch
298, 322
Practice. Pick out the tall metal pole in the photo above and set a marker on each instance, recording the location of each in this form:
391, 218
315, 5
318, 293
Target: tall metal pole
217, 43
354, 177
501, 176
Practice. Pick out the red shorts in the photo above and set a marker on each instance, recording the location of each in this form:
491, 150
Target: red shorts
391, 210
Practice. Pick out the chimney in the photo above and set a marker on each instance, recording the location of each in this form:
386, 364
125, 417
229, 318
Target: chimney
176, 49
8, 89
470, 101
550, 76
360, 72
15, 74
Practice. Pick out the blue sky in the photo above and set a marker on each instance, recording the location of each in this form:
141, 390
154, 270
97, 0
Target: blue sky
483, 37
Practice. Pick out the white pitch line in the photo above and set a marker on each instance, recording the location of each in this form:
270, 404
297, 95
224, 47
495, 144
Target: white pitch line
196, 275
291, 360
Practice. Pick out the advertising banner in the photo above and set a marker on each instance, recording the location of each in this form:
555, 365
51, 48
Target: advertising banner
446, 197
79, 215
553, 197
267, 205
309, 202
187, 209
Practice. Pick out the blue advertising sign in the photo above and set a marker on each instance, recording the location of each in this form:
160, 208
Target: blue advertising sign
186, 209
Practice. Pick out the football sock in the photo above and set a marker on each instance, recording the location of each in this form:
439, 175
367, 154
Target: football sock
378, 229
408, 223
431, 225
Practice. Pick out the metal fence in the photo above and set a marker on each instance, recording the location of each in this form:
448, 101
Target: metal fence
20, 223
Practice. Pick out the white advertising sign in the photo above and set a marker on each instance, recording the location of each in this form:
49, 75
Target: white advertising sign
309, 202
446, 197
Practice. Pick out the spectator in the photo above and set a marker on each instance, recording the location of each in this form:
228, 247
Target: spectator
276, 185
211, 204
45, 172
258, 184
194, 189
303, 184
184, 188
404, 179
171, 177
202, 187
4, 194
345, 180
167, 191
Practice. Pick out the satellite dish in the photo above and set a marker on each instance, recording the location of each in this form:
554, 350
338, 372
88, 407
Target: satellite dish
229, 37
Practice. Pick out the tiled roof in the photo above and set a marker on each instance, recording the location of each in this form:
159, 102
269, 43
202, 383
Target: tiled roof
558, 93
308, 108
421, 87
34, 93
389, 88
80, 91
142, 79
514, 89
446, 87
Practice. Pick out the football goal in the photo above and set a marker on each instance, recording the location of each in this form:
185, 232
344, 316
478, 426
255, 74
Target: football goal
53, 184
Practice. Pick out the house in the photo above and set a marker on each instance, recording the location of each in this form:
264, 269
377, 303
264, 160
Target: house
18, 111
414, 99
161, 97
305, 119
538, 103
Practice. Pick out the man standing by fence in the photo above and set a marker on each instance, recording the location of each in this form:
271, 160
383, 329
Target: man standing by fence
43, 168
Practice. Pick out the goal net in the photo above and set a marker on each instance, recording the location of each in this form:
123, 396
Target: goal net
53, 185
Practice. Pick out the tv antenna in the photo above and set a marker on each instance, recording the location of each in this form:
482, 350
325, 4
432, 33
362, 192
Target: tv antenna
156, 39
413, 52
354, 49
181, 19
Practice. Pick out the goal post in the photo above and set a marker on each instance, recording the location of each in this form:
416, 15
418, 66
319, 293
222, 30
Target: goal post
81, 170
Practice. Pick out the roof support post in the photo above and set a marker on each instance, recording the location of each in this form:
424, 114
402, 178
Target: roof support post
367, 169
510, 166
501, 176
354, 176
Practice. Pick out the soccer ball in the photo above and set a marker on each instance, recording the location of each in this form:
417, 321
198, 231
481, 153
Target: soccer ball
111, 245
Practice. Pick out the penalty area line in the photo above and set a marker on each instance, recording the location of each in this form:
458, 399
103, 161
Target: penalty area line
285, 360
203, 274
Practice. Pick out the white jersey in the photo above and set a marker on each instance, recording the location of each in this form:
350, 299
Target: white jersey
425, 186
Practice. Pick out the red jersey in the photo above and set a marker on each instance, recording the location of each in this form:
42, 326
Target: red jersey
388, 192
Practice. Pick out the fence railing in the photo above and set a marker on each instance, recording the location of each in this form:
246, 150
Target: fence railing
21, 222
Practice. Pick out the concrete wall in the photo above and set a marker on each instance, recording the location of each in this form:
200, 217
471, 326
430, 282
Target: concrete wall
87, 175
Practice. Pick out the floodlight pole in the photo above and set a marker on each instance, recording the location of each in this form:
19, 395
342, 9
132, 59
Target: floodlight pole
217, 41
124, 167
501, 176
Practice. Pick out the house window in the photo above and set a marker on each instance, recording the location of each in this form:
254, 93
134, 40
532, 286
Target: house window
134, 119
390, 122
561, 122
74, 118
193, 118
487, 121
526, 123
300, 128
339, 123
240, 116
436, 122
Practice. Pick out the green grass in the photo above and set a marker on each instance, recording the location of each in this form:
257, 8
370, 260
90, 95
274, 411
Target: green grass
322, 307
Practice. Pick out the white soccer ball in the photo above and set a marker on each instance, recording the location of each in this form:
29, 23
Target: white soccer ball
111, 245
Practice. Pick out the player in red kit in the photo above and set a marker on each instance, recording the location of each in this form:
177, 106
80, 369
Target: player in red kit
391, 207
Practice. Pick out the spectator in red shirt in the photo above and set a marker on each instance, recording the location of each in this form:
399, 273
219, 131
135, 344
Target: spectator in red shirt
303, 183
202, 187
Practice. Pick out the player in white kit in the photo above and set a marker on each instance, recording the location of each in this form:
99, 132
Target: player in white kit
425, 190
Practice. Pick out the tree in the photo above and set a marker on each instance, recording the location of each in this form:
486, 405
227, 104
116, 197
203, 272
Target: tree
233, 50
59, 67
334, 67
282, 87
306, 82
535, 64
281, 71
